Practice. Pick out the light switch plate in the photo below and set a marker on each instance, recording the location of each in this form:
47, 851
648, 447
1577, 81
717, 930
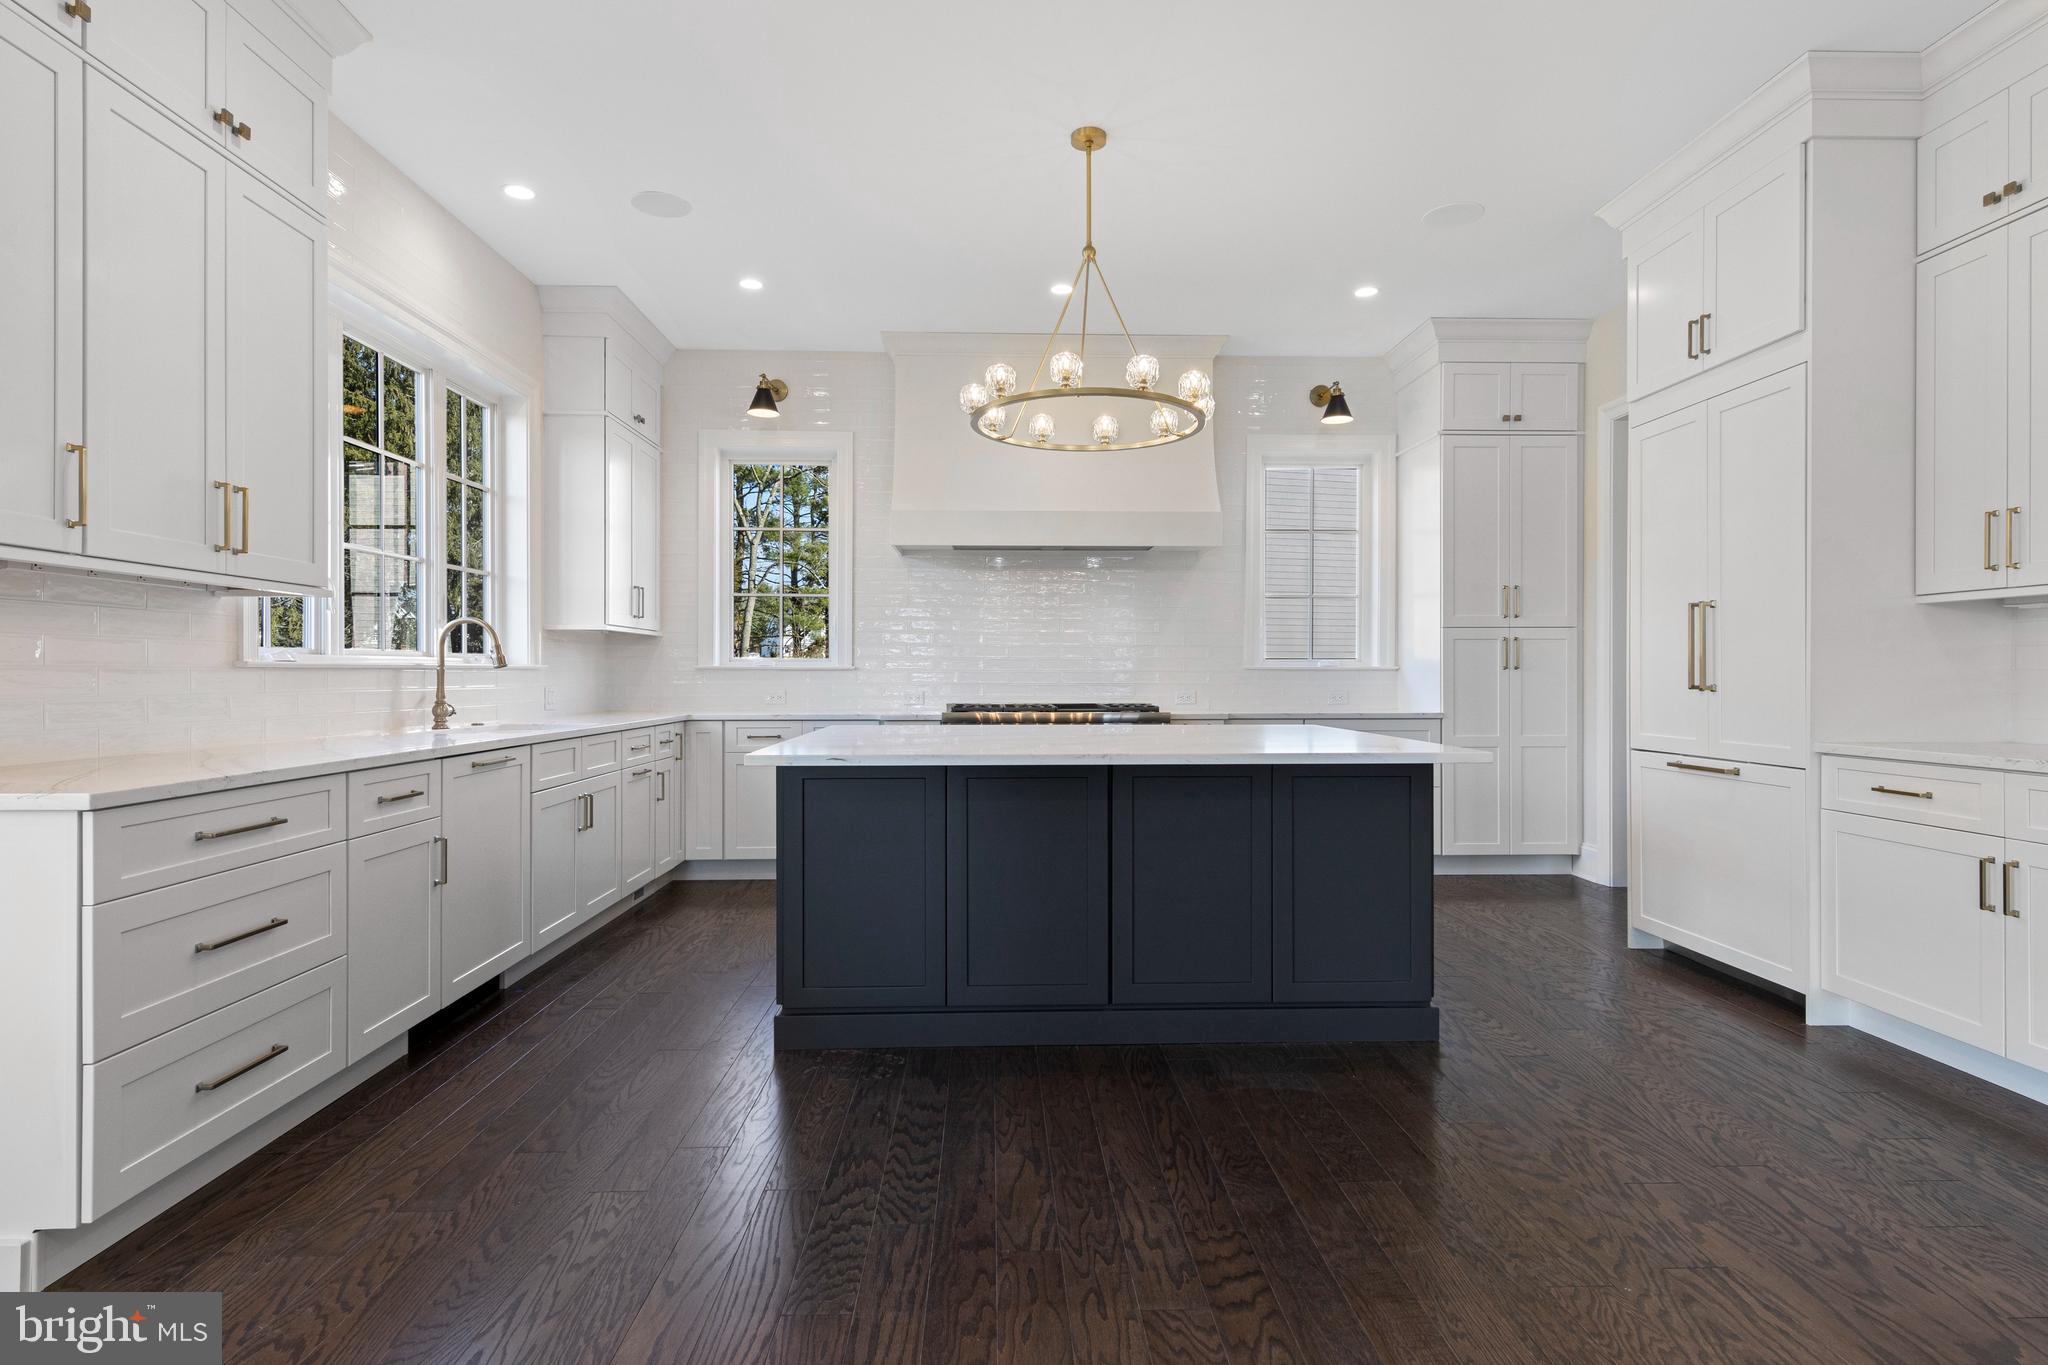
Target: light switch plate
775, 696
1338, 696
1183, 696
547, 699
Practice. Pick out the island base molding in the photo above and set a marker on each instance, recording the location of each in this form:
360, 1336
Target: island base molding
1069, 1028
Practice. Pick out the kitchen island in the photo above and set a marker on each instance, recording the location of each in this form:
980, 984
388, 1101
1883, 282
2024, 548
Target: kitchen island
968, 885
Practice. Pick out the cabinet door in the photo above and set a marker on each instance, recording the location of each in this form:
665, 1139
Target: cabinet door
1961, 162
749, 809
1543, 742
1478, 396
1352, 894
1717, 861
1666, 283
639, 848
618, 384
394, 932
1544, 396
42, 329
487, 901
1476, 550
2026, 424
1476, 695
1755, 245
1027, 886
1910, 924
647, 408
621, 601
668, 825
600, 866
2027, 141
704, 790
1667, 537
2024, 888
174, 51
1191, 908
1960, 417
276, 299
1753, 660
557, 823
646, 578
861, 888
1544, 506
154, 353
284, 110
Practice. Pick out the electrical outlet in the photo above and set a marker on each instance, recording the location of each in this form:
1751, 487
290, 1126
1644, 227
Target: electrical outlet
548, 698
1338, 696
917, 697
774, 696
1183, 696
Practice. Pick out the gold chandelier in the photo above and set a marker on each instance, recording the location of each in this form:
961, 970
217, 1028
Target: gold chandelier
997, 409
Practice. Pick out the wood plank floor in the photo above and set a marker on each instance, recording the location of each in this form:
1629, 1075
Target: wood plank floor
1611, 1156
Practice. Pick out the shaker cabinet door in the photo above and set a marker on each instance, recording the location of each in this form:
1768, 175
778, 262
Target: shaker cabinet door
1666, 286
1353, 905
394, 938
1960, 419
1191, 907
1962, 162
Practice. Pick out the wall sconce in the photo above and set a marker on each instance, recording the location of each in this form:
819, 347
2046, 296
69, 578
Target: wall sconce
766, 396
1330, 398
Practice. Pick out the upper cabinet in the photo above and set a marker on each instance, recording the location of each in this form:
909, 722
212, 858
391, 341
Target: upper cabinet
1484, 395
1978, 167
273, 115
1720, 280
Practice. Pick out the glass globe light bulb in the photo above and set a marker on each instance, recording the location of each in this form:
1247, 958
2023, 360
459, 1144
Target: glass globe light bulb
1165, 421
992, 423
1002, 380
1207, 404
1142, 371
1066, 369
1041, 428
1105, 429
972, 396
1194, 386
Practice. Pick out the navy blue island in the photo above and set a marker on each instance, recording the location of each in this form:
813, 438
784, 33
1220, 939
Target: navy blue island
949, 886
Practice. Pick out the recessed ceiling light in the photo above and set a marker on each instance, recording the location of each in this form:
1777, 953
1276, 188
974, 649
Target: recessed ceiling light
661, 204
1063, 288
519, 192
750, 283
1454, 215
1365, 291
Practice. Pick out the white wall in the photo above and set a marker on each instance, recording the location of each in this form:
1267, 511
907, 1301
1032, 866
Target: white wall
90, 666
940, 626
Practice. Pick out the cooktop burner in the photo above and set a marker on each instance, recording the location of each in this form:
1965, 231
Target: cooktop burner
1055, 713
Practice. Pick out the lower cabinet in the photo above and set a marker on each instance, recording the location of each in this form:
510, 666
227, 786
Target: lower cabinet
749, 809
1514, 693
486, 895
1027, 886
668, 814
1191, 898
576, 855
394, 916
637, 840
2025, 887
704, 794
1717, 861
1353, 899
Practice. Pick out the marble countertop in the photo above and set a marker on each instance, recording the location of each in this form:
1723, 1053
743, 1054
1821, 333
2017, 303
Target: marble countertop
2010, 755
1089, 745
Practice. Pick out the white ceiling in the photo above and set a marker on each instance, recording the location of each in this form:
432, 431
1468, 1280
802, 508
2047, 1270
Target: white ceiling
903, 164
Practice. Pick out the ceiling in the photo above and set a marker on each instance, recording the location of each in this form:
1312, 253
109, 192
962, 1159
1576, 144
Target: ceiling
904, 166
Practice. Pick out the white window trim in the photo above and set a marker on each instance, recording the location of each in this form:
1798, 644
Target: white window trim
717, 452
1374, 453
363, 308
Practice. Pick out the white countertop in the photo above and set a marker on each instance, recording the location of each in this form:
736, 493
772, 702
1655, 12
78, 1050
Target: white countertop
2010, 755
1079, 745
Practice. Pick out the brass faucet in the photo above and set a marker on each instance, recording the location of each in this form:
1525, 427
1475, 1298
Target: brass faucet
442, 710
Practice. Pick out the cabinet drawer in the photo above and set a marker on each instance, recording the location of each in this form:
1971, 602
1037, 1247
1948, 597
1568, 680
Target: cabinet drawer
556, 762
600, 754
1968, 799
2026, 806
146, 1113
139, 848
745, 736
166, 957
668, 741
384, 798
639, 746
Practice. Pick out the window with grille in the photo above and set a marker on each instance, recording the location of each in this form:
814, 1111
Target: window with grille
1320, 556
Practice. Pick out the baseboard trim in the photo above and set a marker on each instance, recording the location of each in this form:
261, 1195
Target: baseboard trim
533, 962
1504, 864
728, 870
2002, 1072
1078, 1027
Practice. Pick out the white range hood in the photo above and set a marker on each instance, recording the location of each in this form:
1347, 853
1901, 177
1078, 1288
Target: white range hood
955, 490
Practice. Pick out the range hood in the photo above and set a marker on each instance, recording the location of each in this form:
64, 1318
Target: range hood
955, 490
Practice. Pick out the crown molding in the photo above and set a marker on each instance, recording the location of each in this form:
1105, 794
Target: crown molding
330, 22
1978, 38
1437, 339
1003, 343
613, 303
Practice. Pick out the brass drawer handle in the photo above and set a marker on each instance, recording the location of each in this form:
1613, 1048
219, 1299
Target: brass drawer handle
2010, 866
1984, 866
1704, 768
276, 1050
203, 835
493, 762
78, 450
1901, 791
276, 923
399, 796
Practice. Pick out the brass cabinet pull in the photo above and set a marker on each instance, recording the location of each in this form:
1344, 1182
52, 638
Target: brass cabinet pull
1692, 344
275, 923
1517, 417
2006, 886
1705, 768
2012, 187
1503, 653
276, 1050
225, 118
245, 132
227, 515
1984, 866
243, 489
1990, 560
1707, 647
2012, 517
1992, 198
78, 10
1518, 587
1518, 653
76, 449
1692, 647
1705, 318
441, 846
499, 761
1901, 791
1503, 601
399, 796
203, 835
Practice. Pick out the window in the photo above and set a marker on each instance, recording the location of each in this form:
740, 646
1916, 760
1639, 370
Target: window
466, 496
780, 543
382, 559
1320, 536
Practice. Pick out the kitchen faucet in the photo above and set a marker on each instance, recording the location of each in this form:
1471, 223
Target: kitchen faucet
442, 710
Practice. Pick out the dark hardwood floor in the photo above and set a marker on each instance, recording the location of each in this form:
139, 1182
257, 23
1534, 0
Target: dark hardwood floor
1611, 1156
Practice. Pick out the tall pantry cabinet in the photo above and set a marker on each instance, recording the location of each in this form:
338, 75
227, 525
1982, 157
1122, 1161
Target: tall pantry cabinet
1490, 418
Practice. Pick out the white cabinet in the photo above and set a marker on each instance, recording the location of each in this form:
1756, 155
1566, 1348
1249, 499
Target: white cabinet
1717, 861
2024, 886
394, 933
668, 814
41, 325
2026, 149
279, 114
1963, 173
486, 892
1515, 695
2025, 463
1497, 395
749, 809
1476, 396
638, 811
1720, 282
647, 407
704, 790
1512, 516
604, 533
1476, 703
576, 855
1960, 415
632, 541
1717, 537
175, 51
